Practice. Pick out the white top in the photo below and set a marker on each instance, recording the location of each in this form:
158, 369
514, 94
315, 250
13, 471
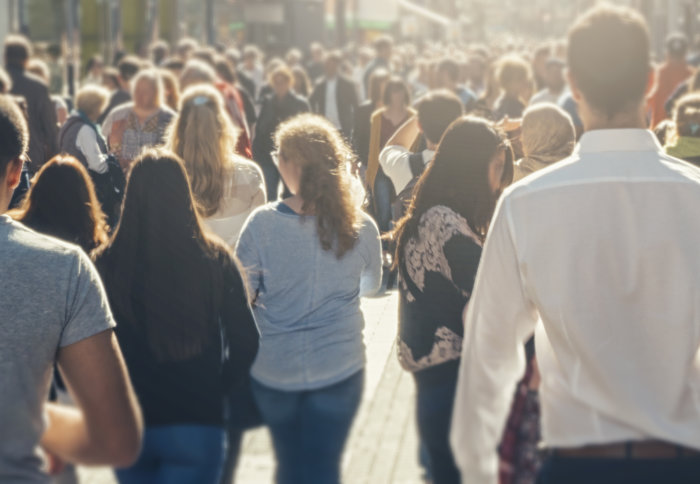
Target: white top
545, 96
394, 161
243, 193
600, 255
332, 102
86, 142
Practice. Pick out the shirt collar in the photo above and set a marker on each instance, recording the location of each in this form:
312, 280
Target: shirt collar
5, 219
605, 140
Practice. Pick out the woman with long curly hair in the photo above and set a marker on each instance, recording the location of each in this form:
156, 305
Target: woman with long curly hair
226, 186
62, 203
309, 258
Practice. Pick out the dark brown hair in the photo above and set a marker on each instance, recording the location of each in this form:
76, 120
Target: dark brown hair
458, 178
14, 134
608, 58
436, 111
376, 85
394, 84
18, 50
62, 203
162, 272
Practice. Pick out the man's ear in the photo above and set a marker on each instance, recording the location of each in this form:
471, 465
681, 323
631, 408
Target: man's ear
651, 83
575, 93
13, 173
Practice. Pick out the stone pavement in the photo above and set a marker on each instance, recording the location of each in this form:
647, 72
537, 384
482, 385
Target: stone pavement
383, 444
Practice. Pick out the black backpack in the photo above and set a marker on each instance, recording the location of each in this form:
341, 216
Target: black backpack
403, 199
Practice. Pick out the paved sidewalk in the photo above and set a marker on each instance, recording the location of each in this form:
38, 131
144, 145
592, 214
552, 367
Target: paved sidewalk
383, 445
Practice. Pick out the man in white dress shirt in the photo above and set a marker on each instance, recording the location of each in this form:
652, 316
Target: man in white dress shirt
335, 96
599, 256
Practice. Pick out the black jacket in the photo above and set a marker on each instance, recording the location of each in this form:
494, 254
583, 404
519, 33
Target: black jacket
43, 131
274, 111
346, 100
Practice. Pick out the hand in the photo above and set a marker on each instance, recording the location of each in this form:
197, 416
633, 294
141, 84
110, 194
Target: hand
117, 133
54, 465
507, 124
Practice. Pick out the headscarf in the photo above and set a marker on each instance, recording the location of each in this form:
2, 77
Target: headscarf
548, 136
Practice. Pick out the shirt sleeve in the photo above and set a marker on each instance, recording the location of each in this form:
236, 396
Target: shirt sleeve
87, 309
394, 160
87, 144
107, 125
499, 319
249, 259
371, 279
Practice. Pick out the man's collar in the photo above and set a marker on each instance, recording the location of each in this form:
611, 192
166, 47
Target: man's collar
605, 140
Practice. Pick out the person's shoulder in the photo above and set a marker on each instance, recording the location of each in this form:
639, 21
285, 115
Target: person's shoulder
368, 227
247, 170
39, 249
167, 112
443, 222
121, 111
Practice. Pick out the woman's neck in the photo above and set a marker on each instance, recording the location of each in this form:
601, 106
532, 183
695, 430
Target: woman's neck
296, 203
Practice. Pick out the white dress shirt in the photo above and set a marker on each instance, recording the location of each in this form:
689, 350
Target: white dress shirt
394, 160
600, 255
545, 96
87, 144
332, 102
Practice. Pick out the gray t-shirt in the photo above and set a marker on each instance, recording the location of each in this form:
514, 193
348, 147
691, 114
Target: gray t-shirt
50, 297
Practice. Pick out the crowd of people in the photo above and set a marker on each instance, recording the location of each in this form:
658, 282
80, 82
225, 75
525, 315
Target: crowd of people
188, 239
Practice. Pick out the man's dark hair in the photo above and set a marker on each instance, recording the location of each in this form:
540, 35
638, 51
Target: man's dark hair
394, 84
449, 67
54, 51
14, 135
18, 50
128, 67
436, 111
383, 42
159, 51
609, 59
173, 64
5, 82
677, 46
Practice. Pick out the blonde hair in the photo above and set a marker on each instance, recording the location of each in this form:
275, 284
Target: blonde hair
281, 70
314, 144
92, 100
197, 72
204, 136
547, 132
153, 76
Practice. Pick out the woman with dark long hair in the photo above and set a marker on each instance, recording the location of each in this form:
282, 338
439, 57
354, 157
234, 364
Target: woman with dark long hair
179, 300
438, 249
308, 376
62, 203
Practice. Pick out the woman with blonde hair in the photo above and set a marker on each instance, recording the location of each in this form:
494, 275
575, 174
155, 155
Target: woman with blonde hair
139, 124
308, 374
548, 135
226, 186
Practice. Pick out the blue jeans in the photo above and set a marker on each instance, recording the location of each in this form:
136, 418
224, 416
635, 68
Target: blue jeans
576, 470
178, 454
309, 428
383, 198
434, 401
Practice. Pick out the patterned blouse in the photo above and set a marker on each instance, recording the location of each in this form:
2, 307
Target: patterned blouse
135, 135
437, 267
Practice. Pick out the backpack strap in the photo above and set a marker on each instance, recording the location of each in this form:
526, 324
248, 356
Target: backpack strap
415, 161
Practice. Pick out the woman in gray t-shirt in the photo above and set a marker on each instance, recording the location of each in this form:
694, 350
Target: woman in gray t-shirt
309, 258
